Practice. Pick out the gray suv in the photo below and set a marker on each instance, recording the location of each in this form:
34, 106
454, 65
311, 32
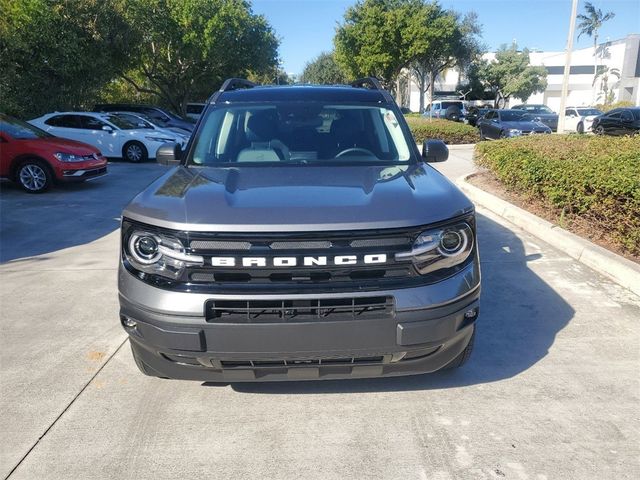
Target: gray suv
301, 235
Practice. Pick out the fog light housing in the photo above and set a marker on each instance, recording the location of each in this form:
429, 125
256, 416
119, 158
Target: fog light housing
129, 323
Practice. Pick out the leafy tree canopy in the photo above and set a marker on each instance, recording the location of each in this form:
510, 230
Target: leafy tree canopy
323, 70
511, 75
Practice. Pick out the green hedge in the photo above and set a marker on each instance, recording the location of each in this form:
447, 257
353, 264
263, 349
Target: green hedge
445, 130
595, 178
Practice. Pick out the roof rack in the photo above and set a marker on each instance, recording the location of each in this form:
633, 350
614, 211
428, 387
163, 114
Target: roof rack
235, 83
367, 82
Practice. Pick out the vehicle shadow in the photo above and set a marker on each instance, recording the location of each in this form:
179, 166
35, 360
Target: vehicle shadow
68, 215
520, 316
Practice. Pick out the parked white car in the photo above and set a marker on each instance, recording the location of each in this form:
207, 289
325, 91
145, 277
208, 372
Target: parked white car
142, 121
112, 135
579, 119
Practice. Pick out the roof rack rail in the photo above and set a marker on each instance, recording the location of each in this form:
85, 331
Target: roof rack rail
235, 83
367, 82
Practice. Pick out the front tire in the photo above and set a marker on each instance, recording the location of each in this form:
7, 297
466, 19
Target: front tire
599, 130
580, 128
34, 176
134, 152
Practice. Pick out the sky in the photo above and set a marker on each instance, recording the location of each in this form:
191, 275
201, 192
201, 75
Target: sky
306, 27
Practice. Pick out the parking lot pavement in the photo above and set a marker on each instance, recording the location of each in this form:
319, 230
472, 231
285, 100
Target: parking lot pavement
552, 390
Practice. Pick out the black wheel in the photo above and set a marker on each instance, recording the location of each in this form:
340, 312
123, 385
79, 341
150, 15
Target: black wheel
34, 176
503, 134
453, 113
134, 152
580, 128
599, 130
143, 367
463, 357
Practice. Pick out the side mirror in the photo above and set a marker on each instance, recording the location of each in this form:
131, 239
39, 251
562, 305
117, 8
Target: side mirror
434, 151
107, 128
169, 154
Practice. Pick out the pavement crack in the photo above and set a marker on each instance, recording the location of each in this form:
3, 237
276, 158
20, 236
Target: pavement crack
73, 400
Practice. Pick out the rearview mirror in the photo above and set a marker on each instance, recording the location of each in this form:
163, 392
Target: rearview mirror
169, 154
107, 128
434, 151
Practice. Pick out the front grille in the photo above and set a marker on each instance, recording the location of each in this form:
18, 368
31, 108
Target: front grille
304, 362
322, 245
277, 311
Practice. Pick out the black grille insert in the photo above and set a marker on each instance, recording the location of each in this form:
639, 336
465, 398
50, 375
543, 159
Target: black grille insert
305, 362
269, 311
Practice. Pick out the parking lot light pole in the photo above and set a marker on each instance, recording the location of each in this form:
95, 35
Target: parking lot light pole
567, 66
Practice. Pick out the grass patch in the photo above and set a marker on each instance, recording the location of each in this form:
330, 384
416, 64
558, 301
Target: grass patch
578, 177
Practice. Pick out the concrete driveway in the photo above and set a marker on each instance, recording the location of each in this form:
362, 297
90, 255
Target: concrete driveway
552, 391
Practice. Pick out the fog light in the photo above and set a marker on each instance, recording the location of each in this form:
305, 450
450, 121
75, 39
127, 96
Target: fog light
129, 323
471, 314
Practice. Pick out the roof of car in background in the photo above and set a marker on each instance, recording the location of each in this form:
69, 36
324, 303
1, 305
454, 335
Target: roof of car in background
292, 93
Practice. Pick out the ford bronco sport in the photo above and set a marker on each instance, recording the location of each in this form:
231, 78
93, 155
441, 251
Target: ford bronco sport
300, 235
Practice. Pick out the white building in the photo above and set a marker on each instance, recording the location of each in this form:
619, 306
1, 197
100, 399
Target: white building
621, 56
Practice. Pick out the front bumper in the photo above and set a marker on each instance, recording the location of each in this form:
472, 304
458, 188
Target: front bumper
427, 330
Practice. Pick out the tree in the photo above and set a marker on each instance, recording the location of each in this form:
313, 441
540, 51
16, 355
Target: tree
590, 25
606, 96
511, 75
437, 40
188, 47
323, 70
57, 54
369, 41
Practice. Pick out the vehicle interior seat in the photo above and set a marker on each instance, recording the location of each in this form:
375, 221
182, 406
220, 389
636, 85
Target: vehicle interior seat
261, 132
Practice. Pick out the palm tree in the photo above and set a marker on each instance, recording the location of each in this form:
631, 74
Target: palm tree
590, 25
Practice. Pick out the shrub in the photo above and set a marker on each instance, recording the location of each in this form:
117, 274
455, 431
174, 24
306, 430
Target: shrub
449, 132
605, 108
594, 178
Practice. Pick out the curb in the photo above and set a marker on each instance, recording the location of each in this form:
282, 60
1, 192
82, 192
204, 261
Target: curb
617, 268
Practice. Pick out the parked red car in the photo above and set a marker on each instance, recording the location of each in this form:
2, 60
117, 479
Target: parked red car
34, 158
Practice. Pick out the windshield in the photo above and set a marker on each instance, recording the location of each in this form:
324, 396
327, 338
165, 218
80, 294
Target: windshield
20, 130
300, 133
121, 122
536, 109
512, 116
446, 105
583, 112
136, 120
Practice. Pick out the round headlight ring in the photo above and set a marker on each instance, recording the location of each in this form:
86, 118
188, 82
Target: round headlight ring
452, 242
144, 248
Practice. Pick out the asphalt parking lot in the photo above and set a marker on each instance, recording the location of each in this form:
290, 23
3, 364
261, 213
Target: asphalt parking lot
552, 391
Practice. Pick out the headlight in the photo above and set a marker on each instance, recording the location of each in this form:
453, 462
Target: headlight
440, 248
68, 157
514, 132
156, 253
160, 139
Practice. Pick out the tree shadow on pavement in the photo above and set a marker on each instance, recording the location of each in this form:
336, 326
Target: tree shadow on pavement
68, 215
520, 316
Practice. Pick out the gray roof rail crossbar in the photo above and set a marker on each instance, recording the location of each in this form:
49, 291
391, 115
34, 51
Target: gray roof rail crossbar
372, 83
235, 83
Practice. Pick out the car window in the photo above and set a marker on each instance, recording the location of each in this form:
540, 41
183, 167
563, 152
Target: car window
156, 115
613, 114
121, 122
584, 112
512, 115
136, 120
300, 133
194, 108
446, 105
20, 130
570, 111
626, 115
91, 123
64, 121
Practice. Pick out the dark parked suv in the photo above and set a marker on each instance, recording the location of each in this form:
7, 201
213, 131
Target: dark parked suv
300, 235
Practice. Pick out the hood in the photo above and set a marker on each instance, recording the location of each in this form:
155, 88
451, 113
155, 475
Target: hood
298, 198
525, 125
65, 145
